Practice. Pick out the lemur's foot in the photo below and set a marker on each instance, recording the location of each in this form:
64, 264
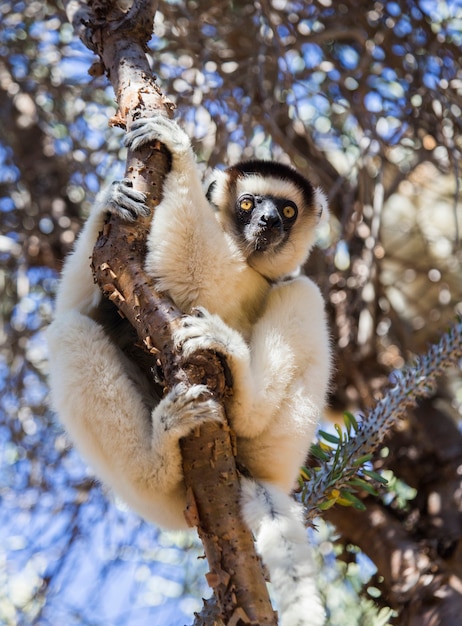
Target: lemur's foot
185, 408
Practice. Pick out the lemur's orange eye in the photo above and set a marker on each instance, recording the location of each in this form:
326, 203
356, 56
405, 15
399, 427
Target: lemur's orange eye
288, 211
246, 204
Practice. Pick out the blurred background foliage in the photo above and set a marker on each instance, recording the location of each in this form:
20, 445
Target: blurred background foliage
363, 97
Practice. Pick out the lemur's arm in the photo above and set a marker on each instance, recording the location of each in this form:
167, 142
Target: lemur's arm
190, 255
77, 290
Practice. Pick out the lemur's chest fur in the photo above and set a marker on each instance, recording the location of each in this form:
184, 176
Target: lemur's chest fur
243, 296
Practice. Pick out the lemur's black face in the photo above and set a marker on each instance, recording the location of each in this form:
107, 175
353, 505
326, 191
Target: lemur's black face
264, 221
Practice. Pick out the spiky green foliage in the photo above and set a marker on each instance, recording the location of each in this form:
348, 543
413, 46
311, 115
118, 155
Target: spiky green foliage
344, 456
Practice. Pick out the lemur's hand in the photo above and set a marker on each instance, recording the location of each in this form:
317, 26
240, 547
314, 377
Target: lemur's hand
121, 199
183, 409
204, 331
160, 128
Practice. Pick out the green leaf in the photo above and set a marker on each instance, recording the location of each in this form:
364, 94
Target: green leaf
329, 437
375, 476
340, 432
350, 421
362, 459
319, 453
327, 504
352, 499
362, 484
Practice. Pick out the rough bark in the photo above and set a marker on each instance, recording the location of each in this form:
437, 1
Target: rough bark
209, 467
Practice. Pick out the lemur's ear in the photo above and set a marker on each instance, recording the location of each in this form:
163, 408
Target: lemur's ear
320, 200
217, 188
210, 190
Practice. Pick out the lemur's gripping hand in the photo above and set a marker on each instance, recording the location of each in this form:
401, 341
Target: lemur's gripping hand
122, 200
183, 409
161, 128
205, 331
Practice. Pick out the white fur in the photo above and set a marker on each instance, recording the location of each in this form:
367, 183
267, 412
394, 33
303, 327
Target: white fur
259, 186
277, 521
274, 338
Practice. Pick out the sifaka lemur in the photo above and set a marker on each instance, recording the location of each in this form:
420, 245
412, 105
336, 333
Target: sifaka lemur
229, 259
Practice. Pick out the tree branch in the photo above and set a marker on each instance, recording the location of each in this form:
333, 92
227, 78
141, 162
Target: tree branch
208, 461
412, 384
422, 588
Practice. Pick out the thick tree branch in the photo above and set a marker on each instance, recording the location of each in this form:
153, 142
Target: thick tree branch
416, 550
209, 468
422, 588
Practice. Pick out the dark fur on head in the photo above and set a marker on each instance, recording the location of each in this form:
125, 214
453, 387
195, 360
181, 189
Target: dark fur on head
274, 170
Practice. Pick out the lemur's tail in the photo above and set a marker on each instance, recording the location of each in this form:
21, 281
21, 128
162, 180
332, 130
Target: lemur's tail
281, 540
